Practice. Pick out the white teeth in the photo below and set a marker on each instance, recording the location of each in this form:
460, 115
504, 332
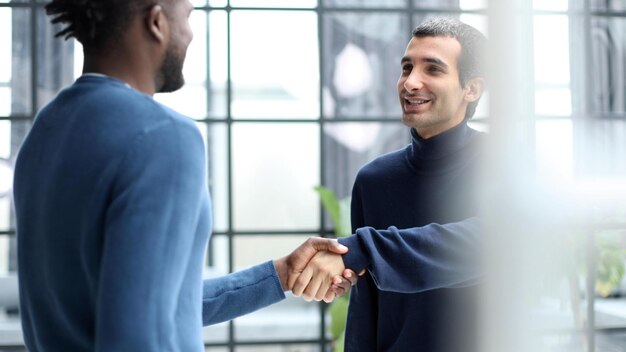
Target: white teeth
419, 101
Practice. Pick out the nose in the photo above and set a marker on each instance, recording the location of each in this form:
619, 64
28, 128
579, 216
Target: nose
413, 81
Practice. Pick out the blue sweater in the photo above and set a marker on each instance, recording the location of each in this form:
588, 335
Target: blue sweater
418, 293
113, 219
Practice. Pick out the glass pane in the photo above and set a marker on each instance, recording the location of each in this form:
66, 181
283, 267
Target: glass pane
5, 101
610, 342
216, 349
482, 109
6, 43
191, 99
275, 167
17, 132
79, 59
283, 347
216, 140
4, 255
292, 319
477, 21
21, 92
275, 72
5, 209
5, 139
218, 3
274, 3
564, 342
608, 86
479, 125
554, 150
451, 4
218, 256
604, 5
366, 3
218, 64
551, 5
252, 250
600, 148
217, 333
362, 54
12, 134
349, 146
55, 60
6, 183
473, 4
552, 69
553, 102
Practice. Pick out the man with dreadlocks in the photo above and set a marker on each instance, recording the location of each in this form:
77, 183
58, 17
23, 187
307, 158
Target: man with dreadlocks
112, 206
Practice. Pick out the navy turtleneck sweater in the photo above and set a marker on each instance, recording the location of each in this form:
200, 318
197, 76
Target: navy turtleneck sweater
418, 292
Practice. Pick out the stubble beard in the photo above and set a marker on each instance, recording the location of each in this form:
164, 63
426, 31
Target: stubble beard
171, 71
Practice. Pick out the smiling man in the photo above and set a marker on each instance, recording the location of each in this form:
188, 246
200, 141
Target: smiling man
415, 221
418, 291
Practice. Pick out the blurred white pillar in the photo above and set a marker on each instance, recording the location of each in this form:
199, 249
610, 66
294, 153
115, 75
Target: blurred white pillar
513, 229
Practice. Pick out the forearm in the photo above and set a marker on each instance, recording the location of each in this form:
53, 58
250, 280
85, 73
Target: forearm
228, 297
418, 259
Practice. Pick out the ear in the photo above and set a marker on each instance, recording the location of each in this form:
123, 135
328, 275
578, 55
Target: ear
474, 89
157, 24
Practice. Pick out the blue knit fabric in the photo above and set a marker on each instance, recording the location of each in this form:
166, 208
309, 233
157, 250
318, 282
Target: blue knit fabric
418, 293
113, 219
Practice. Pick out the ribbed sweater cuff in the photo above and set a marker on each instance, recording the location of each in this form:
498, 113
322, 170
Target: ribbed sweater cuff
356, 258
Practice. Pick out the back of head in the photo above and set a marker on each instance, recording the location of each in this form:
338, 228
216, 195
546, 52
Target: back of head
95, 23
473, 48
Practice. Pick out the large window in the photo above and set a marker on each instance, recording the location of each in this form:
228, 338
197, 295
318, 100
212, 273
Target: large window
293, 94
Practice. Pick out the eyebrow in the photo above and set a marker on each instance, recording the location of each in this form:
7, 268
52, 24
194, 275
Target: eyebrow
430, 60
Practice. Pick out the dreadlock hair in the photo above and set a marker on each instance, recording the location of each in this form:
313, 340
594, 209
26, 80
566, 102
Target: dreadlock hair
473, 46
94, 23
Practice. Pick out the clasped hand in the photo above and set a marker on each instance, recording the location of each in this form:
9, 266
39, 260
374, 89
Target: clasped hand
315, 270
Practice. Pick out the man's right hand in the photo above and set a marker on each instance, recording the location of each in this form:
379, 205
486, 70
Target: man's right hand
315, 281
292, 265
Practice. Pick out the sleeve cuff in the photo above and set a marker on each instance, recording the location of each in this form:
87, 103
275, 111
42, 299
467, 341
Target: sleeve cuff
278, 293
356, 259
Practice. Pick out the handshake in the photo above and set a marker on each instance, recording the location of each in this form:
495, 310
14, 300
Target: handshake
315, 270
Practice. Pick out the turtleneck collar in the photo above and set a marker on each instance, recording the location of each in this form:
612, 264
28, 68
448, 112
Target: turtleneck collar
434, 151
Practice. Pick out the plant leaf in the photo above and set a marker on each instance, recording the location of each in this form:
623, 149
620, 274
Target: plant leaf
339, 342
330, 203
338, 314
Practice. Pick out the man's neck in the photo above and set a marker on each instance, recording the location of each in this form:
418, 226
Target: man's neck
137, 78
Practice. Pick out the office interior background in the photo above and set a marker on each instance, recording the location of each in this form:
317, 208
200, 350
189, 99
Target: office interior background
294, 94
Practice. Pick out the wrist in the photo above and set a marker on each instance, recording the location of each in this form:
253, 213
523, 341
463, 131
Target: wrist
283, 272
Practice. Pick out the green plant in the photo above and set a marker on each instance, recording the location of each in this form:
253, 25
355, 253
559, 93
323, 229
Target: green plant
609, 254
339, 211
610, 270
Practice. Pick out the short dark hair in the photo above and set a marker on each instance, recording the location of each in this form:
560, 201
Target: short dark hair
473, 46
94, 23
